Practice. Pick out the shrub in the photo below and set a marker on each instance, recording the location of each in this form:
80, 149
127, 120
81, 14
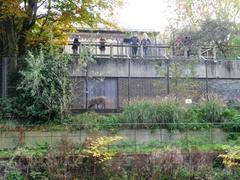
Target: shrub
211, 111
45, 86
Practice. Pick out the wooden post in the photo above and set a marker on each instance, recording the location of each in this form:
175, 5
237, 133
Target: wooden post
111, 51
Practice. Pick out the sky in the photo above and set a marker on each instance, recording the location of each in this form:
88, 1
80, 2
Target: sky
143, 15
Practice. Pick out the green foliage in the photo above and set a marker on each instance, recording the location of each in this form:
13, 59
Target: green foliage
45, 86
14, 174
93, 121
26, 24
211, 111
159, 112
10, 107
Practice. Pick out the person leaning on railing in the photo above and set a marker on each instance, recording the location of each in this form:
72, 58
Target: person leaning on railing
102, 47
145, 42
75, 45
134, 42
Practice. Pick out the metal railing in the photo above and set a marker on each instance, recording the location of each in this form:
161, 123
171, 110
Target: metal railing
114, 50
122, 50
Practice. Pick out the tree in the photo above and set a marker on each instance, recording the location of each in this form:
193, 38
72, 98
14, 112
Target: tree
218, 33
26, 23
194, 12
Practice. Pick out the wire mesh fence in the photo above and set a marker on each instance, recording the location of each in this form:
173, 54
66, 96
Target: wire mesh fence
138, 137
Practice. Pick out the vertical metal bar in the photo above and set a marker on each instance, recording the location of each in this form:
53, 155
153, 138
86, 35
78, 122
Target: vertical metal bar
86, 93
117, 93
168, 84
4, 76
129, 64
135, 136
206, 74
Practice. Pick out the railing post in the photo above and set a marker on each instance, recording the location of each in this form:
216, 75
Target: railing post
111, 51
141, 51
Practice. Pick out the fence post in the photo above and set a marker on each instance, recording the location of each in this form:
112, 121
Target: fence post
206, 77
135, 139
86, 89
4, 77
168, 84
129, 73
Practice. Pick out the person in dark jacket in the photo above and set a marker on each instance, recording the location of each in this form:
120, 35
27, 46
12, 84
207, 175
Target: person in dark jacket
134, 42
145, 43
102, 47
75, 45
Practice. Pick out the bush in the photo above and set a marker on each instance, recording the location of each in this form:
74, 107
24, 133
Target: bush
44, 89
211, 111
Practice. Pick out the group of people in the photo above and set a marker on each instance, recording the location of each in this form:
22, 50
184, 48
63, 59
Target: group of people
134, 41
183, 43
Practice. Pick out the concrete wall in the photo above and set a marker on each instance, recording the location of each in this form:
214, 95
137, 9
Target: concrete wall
146, 68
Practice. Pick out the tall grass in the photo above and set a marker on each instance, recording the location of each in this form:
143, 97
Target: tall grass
161, 112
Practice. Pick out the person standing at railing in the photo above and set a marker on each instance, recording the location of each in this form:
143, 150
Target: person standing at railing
102, 46
135, 43
75, 45
145, 43
188, 44
178, 45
